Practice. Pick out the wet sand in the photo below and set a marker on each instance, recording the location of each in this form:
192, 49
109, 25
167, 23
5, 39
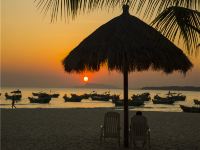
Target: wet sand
78, 129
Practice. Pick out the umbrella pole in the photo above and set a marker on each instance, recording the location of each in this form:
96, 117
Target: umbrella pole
126, 124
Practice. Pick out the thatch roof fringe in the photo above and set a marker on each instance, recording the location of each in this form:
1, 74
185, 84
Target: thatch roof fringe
126, 39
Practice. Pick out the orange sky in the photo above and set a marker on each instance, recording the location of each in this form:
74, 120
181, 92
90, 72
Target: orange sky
32, 50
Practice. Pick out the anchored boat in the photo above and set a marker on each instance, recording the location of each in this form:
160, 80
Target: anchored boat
130, 103
162, 100
192, 109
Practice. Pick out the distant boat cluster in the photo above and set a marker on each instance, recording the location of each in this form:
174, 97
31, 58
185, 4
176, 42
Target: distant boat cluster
15, 95
136, 100
39, 97
93, 96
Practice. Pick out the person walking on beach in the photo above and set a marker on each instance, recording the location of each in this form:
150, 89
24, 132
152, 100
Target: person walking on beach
13, 102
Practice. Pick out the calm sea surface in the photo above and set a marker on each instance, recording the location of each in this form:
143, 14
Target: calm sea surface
88, 103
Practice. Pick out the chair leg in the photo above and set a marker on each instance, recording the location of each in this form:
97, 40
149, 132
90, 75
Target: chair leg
100, 139
149, 143
101, 136
130, 139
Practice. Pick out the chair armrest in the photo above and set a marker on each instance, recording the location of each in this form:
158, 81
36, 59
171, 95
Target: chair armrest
149, 137
101, 132
101, 126
101, 129
148, 131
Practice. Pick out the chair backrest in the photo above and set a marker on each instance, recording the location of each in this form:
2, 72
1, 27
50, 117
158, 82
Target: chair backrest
138, 127
111, 124
196, 102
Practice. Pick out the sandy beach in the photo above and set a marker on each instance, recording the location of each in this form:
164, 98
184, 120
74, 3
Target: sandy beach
78, 129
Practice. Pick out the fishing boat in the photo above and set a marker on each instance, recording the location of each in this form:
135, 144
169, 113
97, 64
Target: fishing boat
101, 98
197, 102
192, 109
141, 97
54, 95
16, 92
162, 100
73, 98
85, 96
38, 93
16, 97
130, 103
114, 98
176, 96
42, 100
41, 94
93, 93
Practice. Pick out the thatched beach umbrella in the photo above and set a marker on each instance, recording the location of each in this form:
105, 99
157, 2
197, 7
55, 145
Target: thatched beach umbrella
126, 44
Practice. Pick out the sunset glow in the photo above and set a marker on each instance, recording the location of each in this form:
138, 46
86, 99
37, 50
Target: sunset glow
33, 49
85, 79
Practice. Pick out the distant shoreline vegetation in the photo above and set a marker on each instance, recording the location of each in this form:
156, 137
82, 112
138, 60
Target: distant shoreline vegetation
174, 88
106, 87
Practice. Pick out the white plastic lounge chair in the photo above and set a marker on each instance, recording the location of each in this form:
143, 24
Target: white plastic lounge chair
111, 127
139, 133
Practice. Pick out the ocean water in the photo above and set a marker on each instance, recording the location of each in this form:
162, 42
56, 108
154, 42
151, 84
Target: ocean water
88, 103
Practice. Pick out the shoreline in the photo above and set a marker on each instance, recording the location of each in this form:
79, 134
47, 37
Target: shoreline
79, 129
131, 109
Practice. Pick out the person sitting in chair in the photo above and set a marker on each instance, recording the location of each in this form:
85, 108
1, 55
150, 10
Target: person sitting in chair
139, 130
139, 116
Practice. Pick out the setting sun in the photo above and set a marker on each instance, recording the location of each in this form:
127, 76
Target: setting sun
85, 78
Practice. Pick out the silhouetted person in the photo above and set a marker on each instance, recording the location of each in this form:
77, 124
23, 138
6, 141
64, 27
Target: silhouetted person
140, 117
13, 102
169, 93
139, 130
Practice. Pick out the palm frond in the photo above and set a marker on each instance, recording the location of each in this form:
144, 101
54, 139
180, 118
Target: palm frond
155, 7
174, 17
178, 22
70, 8
191, 4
